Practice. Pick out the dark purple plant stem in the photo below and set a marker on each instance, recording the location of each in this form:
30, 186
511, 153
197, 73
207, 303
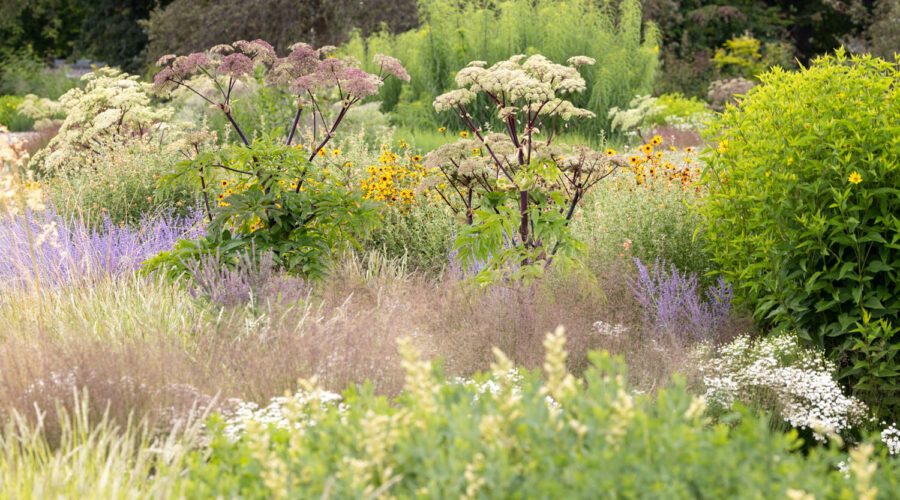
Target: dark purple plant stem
290, 137
205, 195
235, 125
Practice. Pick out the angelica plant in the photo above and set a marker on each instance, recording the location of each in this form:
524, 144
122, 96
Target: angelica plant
112, 108
515, 189
280, 202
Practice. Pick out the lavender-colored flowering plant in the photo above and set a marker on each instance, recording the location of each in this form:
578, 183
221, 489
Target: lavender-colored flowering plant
46, 248
673, 305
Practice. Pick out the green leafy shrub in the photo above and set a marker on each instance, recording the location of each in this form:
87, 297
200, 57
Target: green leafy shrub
677, 108
645, 213
454, 33
509, 435
120, 185
741, 57
802, 212
10, 116
423, 236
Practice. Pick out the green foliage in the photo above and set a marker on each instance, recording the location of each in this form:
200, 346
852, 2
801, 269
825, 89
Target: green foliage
120, 185
422, 236
505, 435
875, 365
10, 116
677, 108
279, 204
802, 213
454, 33
646, 221
49, 28
23, 72
741, 57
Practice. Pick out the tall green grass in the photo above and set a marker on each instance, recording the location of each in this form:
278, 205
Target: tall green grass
93, 460
455, 32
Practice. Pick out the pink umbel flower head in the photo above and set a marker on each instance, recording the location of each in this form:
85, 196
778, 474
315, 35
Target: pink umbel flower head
235, 65
357, 83
185, 65
163, 82
259, 50
391, 66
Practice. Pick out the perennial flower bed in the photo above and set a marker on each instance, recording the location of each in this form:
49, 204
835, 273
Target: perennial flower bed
242, 281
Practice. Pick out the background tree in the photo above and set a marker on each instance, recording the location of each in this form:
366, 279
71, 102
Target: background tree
191, 25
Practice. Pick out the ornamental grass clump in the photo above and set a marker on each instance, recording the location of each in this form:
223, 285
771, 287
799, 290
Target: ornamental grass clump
801, 215
514, 189
281, 202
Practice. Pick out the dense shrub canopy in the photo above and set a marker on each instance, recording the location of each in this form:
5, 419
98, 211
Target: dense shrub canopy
802, 215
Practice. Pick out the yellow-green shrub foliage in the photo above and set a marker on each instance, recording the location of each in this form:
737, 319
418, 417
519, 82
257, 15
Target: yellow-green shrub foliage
803, 210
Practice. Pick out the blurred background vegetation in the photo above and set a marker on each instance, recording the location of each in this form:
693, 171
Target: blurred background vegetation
673, 48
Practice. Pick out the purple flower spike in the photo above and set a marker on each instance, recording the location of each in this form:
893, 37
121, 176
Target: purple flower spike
672, 305
77, 253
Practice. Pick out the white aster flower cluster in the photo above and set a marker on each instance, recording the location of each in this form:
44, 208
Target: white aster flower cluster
608, 329
798, 383
890, 436
511, 378
276, 412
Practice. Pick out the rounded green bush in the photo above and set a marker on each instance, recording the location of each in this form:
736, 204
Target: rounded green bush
10, 116
802, 215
